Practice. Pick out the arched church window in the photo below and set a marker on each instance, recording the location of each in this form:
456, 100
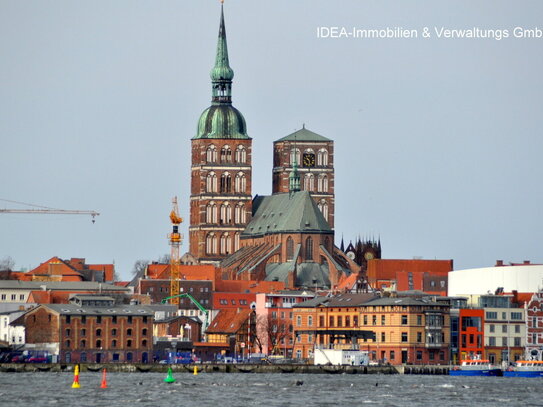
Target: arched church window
226, 214
309, 182
226, 243
211, 182
323, 206
309, 248
322, 157
240, 184
211, 154
290, 248
226, 154
241, 155
322, 183
295, 154
239, 214
226, 183
236, 242
211, 243
211, 213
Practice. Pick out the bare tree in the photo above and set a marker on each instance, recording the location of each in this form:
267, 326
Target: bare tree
139, 267
271, 331
7, 263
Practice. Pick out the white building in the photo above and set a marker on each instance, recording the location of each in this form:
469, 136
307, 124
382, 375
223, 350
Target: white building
525, 278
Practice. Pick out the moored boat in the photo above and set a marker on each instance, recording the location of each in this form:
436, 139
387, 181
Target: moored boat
525, 368
475, 367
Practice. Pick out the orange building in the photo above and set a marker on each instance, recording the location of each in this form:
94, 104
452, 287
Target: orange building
471, 327
75, 269
430, 276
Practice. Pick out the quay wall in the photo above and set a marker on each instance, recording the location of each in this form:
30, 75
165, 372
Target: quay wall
226, 368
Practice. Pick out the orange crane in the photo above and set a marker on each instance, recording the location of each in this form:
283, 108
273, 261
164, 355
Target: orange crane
46, 210
176, 239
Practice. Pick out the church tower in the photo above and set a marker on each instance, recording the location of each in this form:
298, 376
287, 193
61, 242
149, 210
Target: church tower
313, 155
220, 201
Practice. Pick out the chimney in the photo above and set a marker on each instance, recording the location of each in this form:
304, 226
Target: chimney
499, 263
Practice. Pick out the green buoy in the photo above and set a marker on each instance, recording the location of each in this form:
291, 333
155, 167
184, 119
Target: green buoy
169, 378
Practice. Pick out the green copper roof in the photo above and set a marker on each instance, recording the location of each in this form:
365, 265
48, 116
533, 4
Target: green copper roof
222, 71
221, 120
294, 212
304, 135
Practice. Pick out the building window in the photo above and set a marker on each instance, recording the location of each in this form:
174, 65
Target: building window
339, 321
383, 337
129, 332
419, 319
211, 154
68, 343
114, 319
298, 320
83, 332
98, 319
419, 355
491, 341
240, 183
309, 248
309, 182
144, 332
392, 355
404, 336
504, 329
321, 321
491, 328
322, 183
374, 320
211, 213
129, 319
516, 315
226, 243
404, 319
226, 183
322, 157
383, 319
68, 332
347, 321
516, 341
83, 343
355, 321
491, 315
83, 357
211, 182
323, 207
419, 337
504, 341
98, 343
211, 243
144, 343
129, 343
114, 343
309, 320
295, 156
239, 214
226, 214
517, 329
331, 321
241, 155
226, 154
365, 319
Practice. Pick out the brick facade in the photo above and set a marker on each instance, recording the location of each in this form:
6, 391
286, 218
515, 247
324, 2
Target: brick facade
220, 205
317, 179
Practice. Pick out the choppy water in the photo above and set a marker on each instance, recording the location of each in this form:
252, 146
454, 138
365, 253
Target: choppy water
231, 389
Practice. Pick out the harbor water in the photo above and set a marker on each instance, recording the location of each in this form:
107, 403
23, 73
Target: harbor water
250, 389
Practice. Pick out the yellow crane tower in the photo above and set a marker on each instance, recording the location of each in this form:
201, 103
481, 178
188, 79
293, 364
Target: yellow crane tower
175, 242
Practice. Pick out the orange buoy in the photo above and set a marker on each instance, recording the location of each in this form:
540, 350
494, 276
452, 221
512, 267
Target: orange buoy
104, 381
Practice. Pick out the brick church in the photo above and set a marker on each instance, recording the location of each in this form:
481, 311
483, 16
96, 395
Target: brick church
288, 236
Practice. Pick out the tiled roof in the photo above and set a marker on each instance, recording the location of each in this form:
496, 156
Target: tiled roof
304, 135
228, 321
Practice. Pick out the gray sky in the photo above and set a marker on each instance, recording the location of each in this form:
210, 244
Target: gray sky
438, 141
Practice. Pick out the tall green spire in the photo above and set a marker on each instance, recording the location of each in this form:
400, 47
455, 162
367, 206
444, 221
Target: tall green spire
222, 74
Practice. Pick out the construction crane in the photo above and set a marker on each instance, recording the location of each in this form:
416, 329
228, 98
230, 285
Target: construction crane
46, 210
175, 242
195, 302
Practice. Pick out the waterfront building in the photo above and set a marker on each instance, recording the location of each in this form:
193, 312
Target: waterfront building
471, 333
90, 329
232, 331
274, 321
534, 326
520, 277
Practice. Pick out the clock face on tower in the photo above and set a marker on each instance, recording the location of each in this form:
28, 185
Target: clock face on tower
308, 160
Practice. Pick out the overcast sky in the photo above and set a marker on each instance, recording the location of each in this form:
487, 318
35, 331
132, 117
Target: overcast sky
437, 141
